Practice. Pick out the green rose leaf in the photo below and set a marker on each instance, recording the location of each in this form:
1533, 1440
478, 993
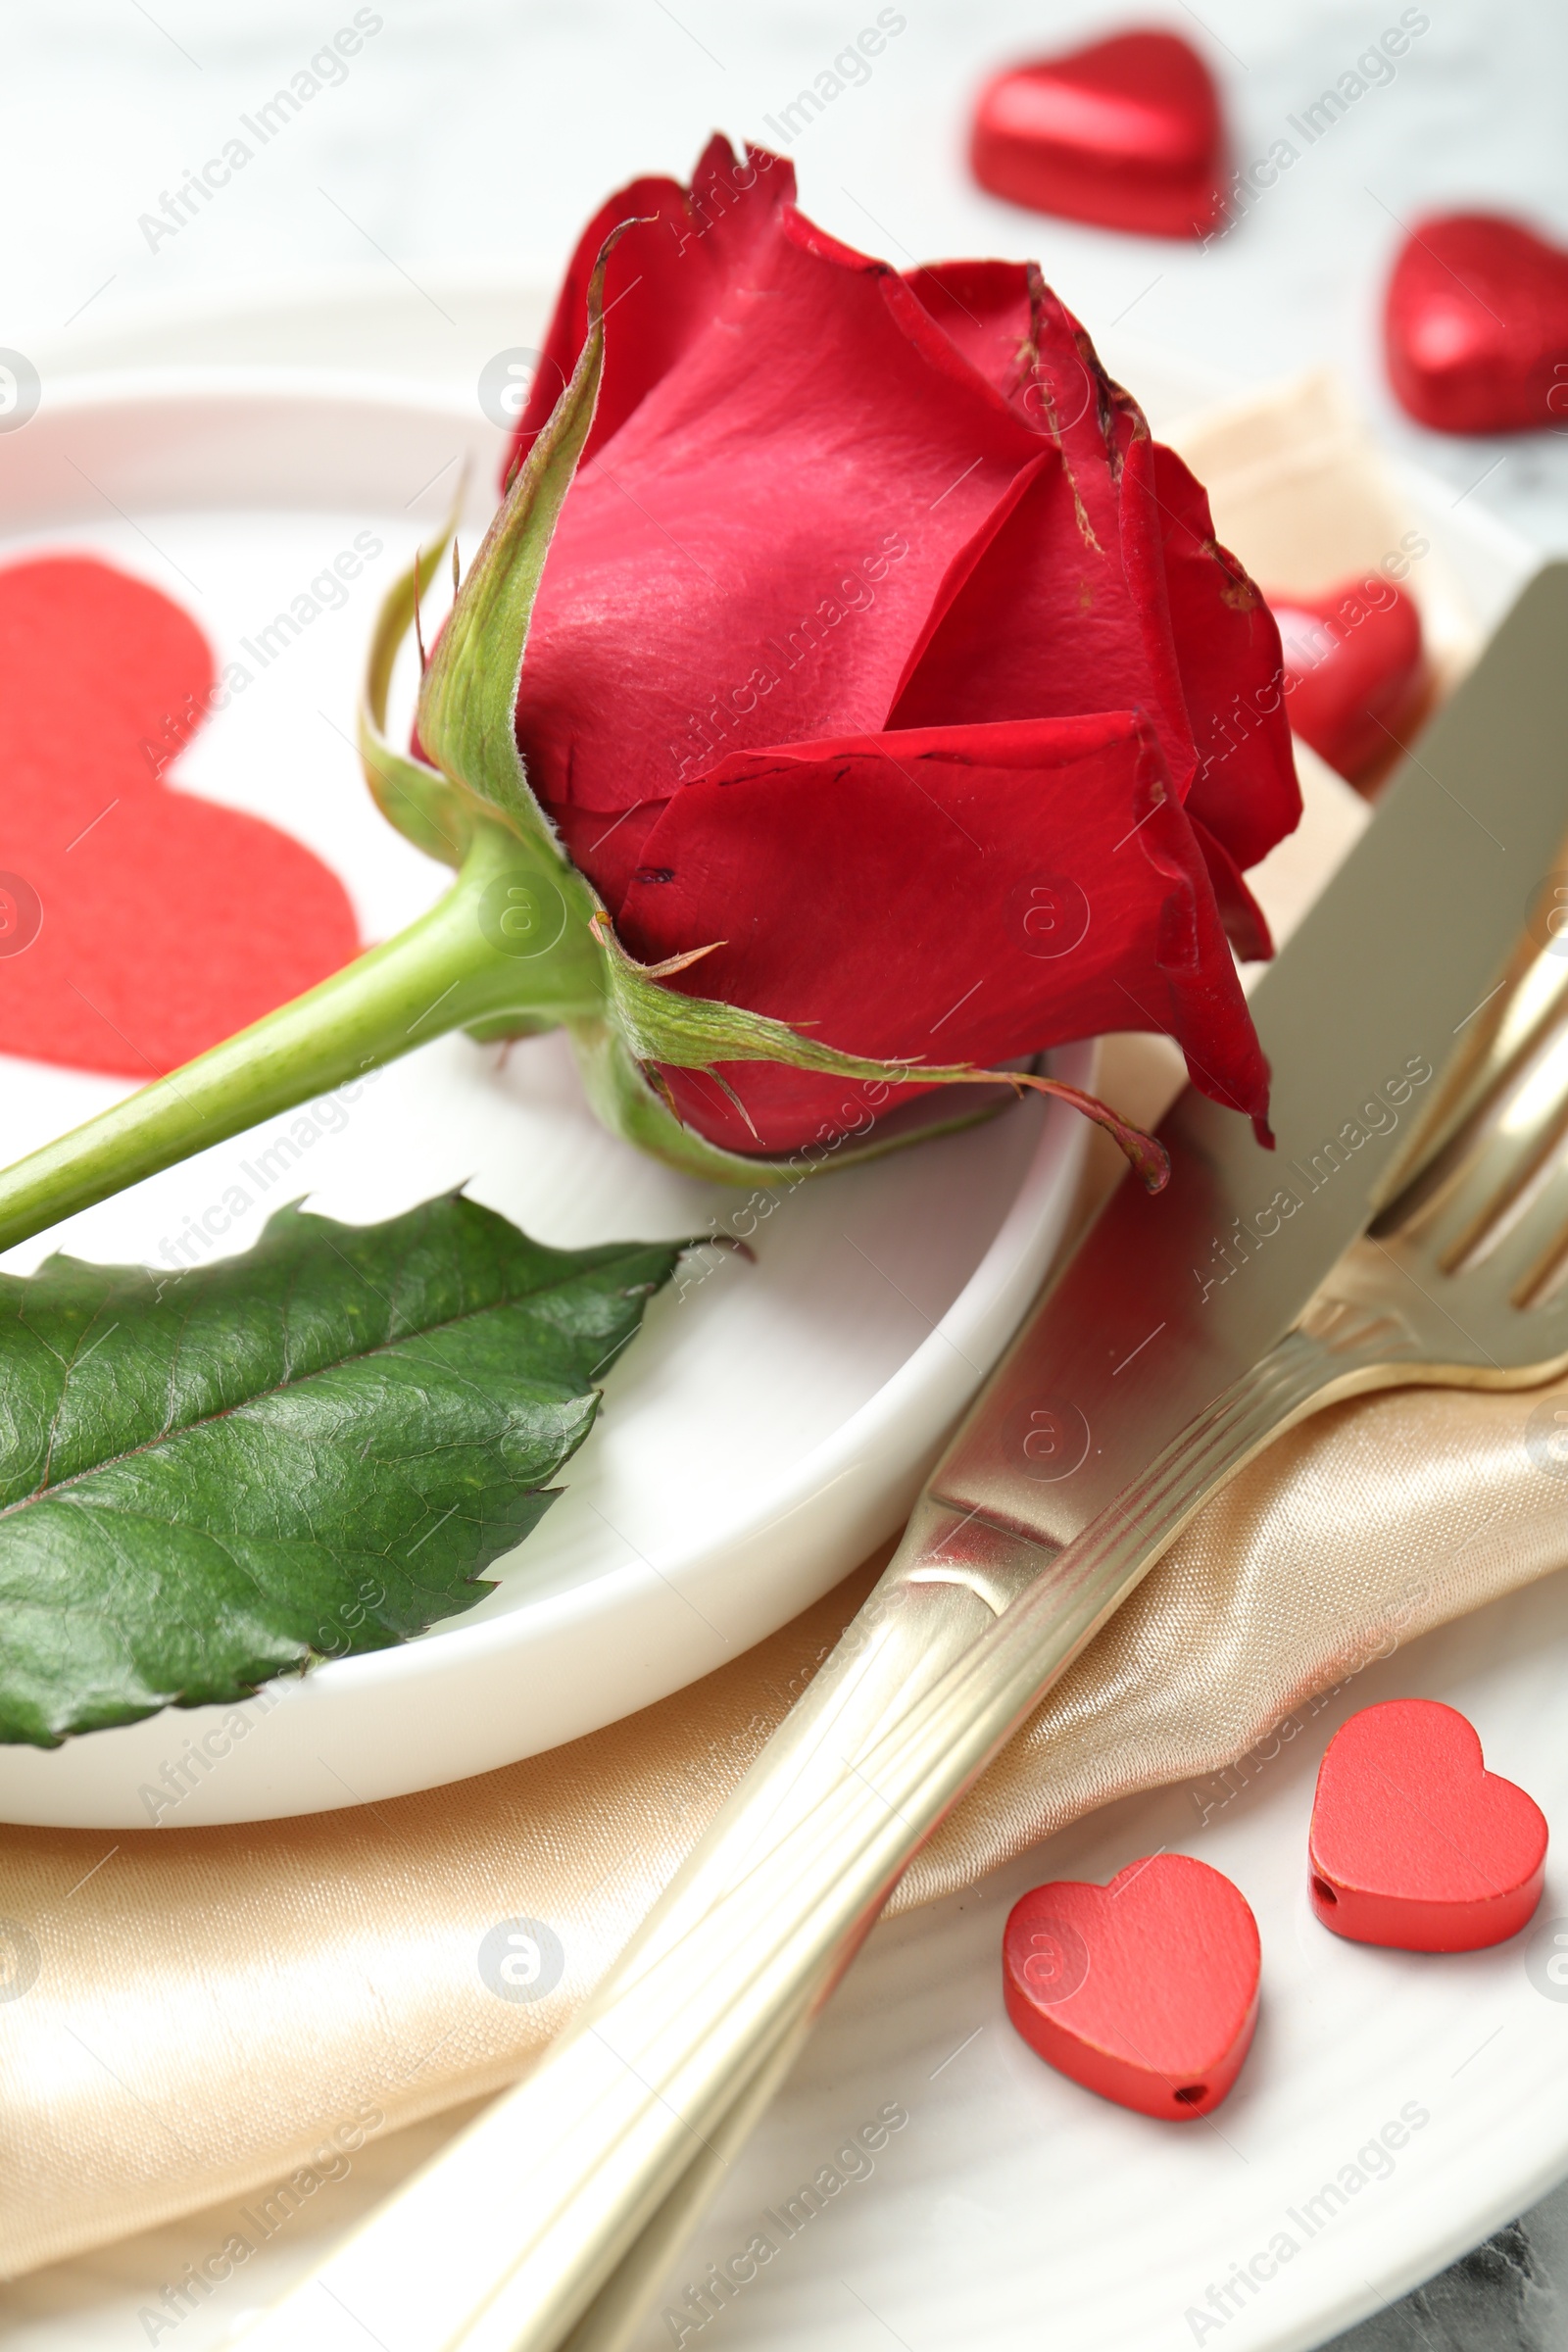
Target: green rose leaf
212, 1477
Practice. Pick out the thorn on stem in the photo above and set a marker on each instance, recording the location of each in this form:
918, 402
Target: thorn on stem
418, 628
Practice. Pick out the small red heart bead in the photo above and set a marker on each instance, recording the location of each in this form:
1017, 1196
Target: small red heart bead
1413, 1842
1144, 1990
1355, 672
1126, 134
139, 925
1476, 325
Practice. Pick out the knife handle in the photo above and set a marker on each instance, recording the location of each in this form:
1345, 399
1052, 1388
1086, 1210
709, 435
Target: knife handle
506, 2240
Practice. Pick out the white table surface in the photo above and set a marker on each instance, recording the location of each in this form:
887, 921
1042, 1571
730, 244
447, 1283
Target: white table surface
474, 137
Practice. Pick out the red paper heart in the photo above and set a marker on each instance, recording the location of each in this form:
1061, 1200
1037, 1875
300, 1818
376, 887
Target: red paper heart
1414, 1843
1356, 671
1144, 1990
137, 925
1476, 325
1126, 133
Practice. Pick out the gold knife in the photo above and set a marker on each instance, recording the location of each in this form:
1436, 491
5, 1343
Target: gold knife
1162, 1359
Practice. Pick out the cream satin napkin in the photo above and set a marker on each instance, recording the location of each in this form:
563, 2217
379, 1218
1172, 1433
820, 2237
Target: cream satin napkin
195, 2014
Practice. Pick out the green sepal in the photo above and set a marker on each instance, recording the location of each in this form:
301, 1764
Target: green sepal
625, 1101
660, 1025
427, 806
692, 1033
468, 694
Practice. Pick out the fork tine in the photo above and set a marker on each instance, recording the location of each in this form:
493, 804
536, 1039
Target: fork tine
1533, 1246
1527, 1007
1497, 1162
1530, 1008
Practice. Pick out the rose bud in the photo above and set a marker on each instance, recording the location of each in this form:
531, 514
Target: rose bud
848, 697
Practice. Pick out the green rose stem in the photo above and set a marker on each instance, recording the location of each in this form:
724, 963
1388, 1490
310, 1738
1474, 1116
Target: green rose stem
466, 961
520, 942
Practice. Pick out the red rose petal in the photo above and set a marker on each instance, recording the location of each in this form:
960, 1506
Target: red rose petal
1228, 653
830, 505
940, 948
168, 922
750, 558
665, 280
1109, 571
986, 308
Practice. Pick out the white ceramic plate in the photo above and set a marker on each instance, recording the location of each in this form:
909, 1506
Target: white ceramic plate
773, 1422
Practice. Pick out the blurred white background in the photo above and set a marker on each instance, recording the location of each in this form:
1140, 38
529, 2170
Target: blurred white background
470, 139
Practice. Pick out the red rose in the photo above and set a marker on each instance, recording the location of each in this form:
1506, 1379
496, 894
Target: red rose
879, 641
843, 636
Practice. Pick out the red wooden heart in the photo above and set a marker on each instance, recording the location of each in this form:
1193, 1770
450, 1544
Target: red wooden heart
137, 925
1126, 133
1414, 1843
1355, 672
1144, 1990
1476, 325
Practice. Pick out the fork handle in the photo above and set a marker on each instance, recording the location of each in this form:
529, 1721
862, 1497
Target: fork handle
504, 2241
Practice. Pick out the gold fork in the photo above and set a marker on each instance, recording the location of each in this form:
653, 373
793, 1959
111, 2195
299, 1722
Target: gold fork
566, 2201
